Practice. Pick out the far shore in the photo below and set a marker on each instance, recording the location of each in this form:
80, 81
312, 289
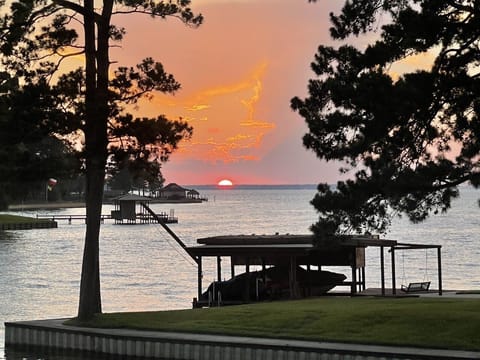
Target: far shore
46, 206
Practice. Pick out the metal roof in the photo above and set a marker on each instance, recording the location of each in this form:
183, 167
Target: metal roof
254, 245
131, 197
231, 240
172, 187
277, 239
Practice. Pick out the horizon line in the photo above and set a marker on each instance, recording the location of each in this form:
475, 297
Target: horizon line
251, 184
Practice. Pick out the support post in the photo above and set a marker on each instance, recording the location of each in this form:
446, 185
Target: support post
394, 285
439, 259
364, 282
353, 264
199, 276
219, 268
293, 277
232, 267
353, 286
247, 282
264, 271
382, 270
308, 290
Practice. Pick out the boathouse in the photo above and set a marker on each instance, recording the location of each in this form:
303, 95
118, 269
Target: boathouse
296, 252
134, 209
173, 191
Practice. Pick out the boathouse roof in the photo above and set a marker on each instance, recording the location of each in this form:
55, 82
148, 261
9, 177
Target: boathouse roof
289, 239
172, 187
276, 245
131, 197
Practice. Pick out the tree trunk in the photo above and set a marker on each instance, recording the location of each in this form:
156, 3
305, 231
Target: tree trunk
96, 142
90, 299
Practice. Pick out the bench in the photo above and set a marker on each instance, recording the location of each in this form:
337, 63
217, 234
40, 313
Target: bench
416, 286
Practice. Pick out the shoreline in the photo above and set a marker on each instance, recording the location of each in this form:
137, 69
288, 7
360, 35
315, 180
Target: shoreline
53, 334
46, 206
58, 337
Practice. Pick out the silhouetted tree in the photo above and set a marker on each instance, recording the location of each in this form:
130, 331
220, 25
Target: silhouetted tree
37, 37
31, 148
135, 174
411, 138
137, 144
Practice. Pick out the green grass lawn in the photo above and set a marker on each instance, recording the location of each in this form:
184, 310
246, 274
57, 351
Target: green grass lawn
425, 322
15, 219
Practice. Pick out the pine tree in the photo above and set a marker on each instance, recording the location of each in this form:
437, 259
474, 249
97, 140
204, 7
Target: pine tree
409, 139
37, 36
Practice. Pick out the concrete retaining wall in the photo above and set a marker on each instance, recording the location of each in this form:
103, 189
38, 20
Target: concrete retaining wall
54, 335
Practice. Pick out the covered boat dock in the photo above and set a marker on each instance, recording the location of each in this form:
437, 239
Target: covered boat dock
132, 209
294, 251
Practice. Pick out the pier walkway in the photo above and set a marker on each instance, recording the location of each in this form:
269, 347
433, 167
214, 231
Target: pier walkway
166, 218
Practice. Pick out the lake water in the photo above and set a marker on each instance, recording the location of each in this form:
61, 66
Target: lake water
142, 268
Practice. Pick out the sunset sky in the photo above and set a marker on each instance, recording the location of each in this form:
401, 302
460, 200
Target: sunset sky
238, 72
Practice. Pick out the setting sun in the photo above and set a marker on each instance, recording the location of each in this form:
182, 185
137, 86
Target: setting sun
225, 183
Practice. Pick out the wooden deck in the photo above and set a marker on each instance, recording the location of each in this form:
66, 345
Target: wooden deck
142, 219
398, 293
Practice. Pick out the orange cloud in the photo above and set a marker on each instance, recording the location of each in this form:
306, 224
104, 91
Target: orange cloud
259, 124
238, 72
224, 117
198, 107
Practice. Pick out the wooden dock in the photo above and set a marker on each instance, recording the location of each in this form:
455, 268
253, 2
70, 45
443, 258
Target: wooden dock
40, 224
144, 219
